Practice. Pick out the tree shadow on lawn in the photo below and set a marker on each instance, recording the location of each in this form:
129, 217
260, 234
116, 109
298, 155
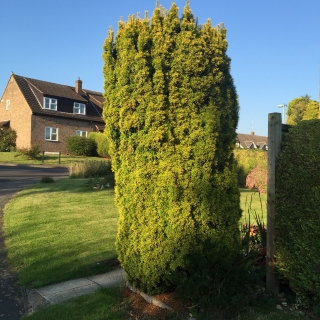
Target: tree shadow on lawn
41, 188
42, 266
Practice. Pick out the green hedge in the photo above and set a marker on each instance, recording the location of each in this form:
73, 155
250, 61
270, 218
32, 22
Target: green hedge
81, 146
102, 143
298, 210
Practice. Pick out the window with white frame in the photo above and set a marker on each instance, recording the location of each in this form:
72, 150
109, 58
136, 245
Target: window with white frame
7, 104
51, 134
50, 103
81, 133
79, 108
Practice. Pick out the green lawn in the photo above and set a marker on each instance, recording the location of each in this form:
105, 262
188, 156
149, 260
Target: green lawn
252, 203
59, 231
62, 230
49, 159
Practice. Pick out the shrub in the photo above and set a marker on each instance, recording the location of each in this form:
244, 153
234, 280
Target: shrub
171, 112
46, 180
258, 179
90, 168
248, 159
31, 153
81, 146
8, 139
297, 219
102, 143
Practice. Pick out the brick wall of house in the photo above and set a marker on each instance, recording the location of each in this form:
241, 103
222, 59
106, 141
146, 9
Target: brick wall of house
19, 113
66, 128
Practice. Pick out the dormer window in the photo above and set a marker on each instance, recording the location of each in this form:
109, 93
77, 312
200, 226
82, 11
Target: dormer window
79, 108
50, 103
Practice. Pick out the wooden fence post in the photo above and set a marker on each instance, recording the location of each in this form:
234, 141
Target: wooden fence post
274, 148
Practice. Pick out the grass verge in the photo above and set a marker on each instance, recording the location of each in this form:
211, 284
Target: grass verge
103, 304
60, 231
49, 159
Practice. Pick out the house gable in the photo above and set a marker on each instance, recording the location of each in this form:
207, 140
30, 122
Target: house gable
19, 113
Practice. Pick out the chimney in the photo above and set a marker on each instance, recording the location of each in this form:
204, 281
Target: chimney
252, 133
78, 87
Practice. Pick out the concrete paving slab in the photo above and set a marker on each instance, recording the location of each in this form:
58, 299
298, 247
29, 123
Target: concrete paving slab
56, 293
36, 301
110, 279
63, 286
71, 293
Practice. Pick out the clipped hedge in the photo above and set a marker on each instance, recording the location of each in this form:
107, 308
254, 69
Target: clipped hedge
298, 210
102, 143
81, 146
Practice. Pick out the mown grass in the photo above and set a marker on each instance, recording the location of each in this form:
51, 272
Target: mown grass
251, 202
49, 159
59, 231
62, 230
103, 304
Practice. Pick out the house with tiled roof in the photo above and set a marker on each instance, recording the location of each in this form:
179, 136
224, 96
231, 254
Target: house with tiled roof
251, 141
47, 113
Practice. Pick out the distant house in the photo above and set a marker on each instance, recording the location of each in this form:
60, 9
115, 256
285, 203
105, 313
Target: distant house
47, 113
251, 141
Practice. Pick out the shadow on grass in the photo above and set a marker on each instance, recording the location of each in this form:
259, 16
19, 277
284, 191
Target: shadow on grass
46, 265
62, 185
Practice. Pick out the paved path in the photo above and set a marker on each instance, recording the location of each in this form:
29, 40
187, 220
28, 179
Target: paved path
56, 293
14, 178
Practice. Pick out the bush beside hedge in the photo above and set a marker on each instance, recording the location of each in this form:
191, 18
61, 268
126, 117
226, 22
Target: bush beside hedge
298, 210
102, 143
81, 146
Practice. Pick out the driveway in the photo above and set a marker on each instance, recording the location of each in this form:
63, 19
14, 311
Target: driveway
14, 178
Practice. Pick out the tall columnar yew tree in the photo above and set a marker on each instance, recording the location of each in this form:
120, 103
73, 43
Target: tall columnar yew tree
171, 112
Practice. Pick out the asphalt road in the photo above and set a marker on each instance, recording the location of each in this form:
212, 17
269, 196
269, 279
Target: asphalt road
14, 178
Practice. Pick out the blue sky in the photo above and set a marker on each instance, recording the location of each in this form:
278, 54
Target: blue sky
274, 45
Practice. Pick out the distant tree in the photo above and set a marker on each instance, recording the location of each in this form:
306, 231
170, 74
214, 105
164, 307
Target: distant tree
312, 110
171, 113
302, 108
258, 179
